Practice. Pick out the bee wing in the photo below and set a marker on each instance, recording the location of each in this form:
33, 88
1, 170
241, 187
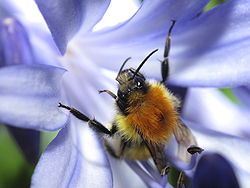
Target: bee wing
158, 155
185, 139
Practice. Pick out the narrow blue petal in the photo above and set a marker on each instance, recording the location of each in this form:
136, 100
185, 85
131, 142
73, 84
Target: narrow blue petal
57, 163
151, 170
29, 95
28, 141
3, 11
243, 95
6, 9
146, 178
123, 175
214, 170
71, 160
179, 92
14, 43
65, 17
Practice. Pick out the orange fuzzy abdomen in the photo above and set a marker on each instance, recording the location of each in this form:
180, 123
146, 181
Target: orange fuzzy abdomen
154, 116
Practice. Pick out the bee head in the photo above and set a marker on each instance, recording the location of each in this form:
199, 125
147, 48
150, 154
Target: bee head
129, 83
131, 80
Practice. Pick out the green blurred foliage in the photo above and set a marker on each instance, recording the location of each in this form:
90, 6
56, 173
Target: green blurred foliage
46, 138
210, 5
173, 176
230, 95
15, 171
214, 3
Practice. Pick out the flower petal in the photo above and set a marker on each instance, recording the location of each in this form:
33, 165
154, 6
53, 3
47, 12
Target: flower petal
83, 81
234, 148
3, 11
243, 94
151, 170
179, 92
29, 96
140, 35
146, 178
198, 57
75, 158
217, 56
15, 46
65, 17
150, 19
213, 170
57, 163
123, 175
214, 110
6, 9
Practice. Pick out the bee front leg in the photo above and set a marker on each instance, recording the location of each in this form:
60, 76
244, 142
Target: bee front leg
95, 125
108, 92
165, 62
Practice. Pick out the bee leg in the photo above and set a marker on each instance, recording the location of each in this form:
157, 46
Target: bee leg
180, 180
95, 125
165, 170
110, 150
164, 63
108, 92
159, 157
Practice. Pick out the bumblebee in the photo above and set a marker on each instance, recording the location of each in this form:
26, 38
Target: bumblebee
147, 116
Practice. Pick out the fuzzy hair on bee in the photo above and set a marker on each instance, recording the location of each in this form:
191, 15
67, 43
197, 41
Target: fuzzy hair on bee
146, 117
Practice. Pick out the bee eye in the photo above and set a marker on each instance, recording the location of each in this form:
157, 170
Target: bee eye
138, 84
121, 95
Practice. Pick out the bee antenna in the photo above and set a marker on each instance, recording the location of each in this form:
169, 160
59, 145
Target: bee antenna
122, 67
144, 61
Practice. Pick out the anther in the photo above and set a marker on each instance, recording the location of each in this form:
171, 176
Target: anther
194, 149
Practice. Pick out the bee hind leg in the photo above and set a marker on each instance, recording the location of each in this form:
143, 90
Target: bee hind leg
95, 125
181, 179
165, 170
110, 150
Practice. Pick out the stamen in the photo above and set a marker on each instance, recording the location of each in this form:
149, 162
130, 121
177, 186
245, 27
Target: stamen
194, 149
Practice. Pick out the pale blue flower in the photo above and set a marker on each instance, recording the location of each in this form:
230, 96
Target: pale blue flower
208, 50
